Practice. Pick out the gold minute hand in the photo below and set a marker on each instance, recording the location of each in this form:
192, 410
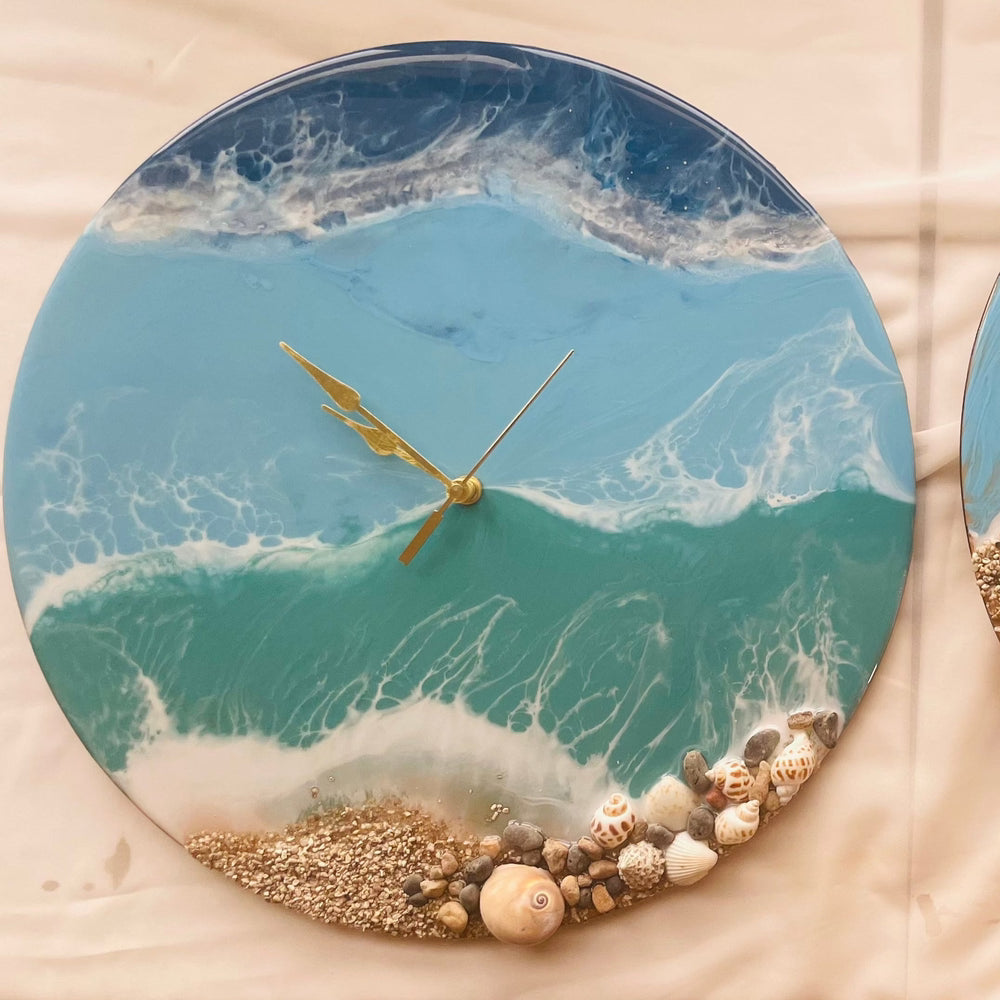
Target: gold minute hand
379, 437
456, 489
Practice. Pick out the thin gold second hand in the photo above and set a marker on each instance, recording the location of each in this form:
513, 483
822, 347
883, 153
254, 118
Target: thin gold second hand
430, 525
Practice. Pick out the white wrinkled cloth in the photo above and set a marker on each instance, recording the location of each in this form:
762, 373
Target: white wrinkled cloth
883, 879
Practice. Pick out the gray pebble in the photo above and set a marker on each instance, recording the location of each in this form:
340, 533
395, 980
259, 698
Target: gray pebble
659, 836
469, 898
701, 823
479, 869
695, 767
576, 861
411, 884
586, 903
760, 746
417, 899
531, 858
825, 726
523, 837
615, 886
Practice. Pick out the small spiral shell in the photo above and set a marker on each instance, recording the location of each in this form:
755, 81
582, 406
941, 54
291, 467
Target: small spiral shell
732, 778
521, 905
613, 821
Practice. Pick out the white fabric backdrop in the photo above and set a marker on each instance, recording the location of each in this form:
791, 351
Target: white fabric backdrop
883, 879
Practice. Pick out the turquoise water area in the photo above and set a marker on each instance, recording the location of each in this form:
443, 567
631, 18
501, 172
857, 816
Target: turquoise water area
629, 647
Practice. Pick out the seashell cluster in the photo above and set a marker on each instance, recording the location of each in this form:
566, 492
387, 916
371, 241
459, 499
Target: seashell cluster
521, 905
613, 821
641, 865
523, 885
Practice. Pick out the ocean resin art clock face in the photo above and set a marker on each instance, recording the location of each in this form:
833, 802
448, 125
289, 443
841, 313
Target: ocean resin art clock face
981, 458
586, 687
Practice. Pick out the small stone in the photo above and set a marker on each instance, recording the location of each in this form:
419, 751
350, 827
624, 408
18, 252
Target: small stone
491, 846
600, 870
800, 720
417, 899
584, 879
659, 836
601, 899
760, 746
695, 767
478, 869
701, 823
436, 872
576, 860
555, 853
638, 831
591, 848
585, 900
454, 916
715, 799
523, 837
449, 864
825, 726
411, 884
772, 803
469, 898
533, 858
761, 783
570, 889
454, 888
615, 886
433, 888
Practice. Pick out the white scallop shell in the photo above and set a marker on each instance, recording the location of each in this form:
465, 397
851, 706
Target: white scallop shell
732, 778
669, 802
521, 905
613, 821
793, 766
641, 865
688, 860
738, 823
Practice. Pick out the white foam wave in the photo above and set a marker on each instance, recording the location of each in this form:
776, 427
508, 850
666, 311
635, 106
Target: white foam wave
778, 430
311, 203
441, 756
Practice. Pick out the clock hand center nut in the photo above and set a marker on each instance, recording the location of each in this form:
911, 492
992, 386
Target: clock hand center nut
465, 491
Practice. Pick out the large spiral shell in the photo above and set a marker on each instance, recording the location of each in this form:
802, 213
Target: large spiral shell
521, 905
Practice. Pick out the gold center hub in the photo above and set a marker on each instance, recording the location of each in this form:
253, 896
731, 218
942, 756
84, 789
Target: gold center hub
466, 491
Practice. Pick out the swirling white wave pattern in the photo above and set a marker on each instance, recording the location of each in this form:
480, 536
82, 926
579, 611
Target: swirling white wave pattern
214, 205
718, 458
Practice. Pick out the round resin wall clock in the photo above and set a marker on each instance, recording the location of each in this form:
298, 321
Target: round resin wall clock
329, 637
981, 458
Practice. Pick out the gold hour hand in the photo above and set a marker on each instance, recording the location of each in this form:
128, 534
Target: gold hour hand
379, 436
